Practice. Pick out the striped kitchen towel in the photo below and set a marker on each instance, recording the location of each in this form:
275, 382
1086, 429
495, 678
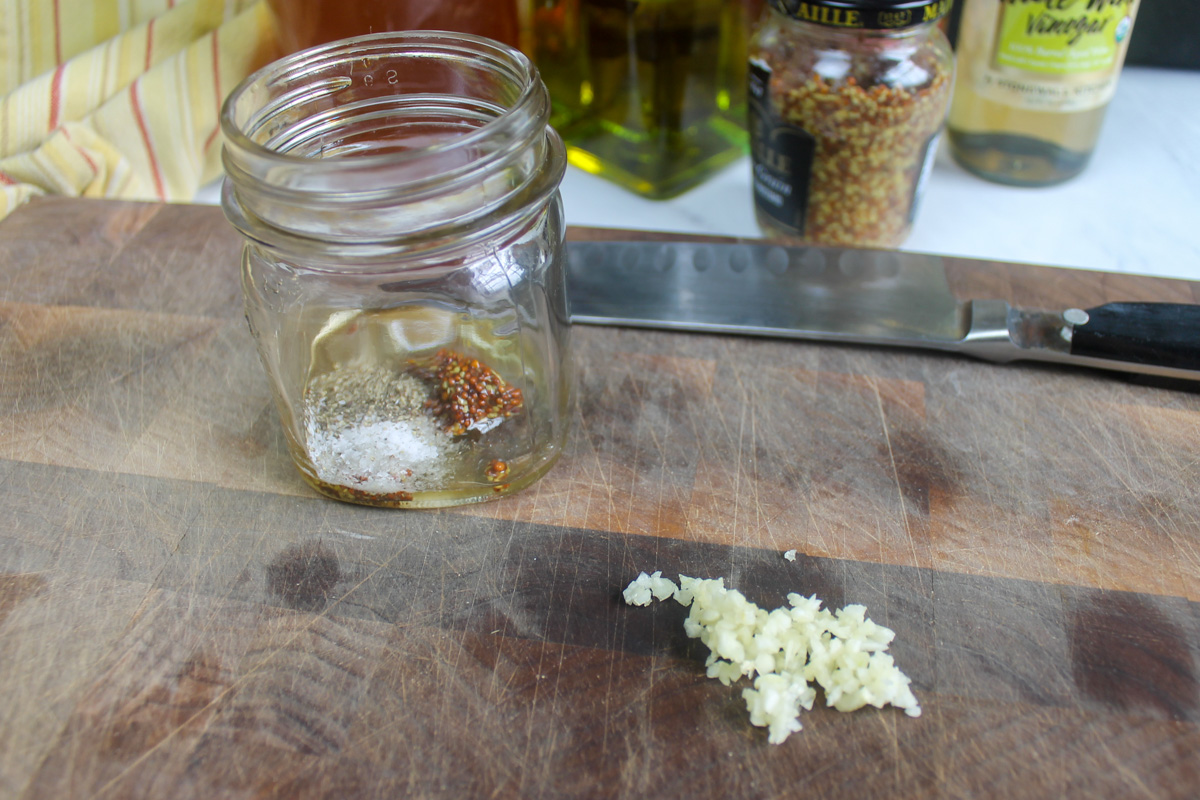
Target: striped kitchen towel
120, 98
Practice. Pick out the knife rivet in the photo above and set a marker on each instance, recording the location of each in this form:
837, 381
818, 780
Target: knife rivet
702, 260
1075, 316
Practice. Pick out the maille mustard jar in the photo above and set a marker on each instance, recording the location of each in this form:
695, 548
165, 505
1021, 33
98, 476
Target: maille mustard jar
403, 268
847, 103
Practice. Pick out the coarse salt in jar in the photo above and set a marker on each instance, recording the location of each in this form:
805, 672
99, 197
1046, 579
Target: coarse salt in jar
403, 267
847, 103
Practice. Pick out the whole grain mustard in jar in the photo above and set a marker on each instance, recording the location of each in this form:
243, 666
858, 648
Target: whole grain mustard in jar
847, 103
403, 270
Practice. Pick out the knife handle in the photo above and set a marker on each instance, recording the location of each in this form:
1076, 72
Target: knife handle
1159, 334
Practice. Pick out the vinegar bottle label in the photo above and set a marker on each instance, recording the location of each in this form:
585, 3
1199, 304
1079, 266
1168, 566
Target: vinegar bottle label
1056, 55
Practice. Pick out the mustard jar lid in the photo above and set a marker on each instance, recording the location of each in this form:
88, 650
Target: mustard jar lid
864, 14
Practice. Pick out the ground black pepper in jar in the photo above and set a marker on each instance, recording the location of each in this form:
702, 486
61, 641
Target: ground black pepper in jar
847, 102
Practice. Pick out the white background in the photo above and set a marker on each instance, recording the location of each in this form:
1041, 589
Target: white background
1135, 209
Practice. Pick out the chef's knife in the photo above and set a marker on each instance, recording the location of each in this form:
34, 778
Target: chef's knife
870, 297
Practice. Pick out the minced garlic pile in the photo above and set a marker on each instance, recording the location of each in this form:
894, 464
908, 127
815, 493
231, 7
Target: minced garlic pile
787, 649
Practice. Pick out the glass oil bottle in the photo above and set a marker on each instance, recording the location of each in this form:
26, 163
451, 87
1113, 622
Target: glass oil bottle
650, 94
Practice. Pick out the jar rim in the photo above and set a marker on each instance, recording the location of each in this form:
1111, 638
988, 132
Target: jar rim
439, 138
515, 62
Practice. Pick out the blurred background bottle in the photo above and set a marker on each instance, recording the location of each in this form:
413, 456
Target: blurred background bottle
1034, 79
650, 94
306, 23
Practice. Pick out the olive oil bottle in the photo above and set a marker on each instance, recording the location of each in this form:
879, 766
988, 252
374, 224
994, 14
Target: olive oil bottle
1034, 79
650, 94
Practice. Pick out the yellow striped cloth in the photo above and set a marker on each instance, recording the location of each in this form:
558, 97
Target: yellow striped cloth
120, 98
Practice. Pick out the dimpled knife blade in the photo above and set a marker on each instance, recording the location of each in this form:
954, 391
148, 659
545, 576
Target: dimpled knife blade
860, 296
865, 296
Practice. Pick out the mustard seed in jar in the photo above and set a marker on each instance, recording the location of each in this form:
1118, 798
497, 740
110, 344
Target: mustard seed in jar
847, 102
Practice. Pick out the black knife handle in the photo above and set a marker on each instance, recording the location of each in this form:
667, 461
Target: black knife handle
1159, 334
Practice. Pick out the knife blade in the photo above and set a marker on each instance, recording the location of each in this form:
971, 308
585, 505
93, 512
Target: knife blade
865, 297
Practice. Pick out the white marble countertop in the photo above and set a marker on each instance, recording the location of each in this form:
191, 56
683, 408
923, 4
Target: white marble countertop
1136, 208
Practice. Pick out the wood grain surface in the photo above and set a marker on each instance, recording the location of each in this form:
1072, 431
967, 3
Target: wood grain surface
180, 616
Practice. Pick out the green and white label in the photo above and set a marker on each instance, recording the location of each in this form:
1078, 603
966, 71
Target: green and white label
1062, 37
1058, 54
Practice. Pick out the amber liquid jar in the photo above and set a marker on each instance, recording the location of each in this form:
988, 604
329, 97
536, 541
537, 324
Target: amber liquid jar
307, 23
847, 104
403, 268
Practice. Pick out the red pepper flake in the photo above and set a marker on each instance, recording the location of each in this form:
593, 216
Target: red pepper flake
468, 392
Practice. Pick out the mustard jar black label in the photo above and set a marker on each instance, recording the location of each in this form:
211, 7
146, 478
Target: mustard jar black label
782, 156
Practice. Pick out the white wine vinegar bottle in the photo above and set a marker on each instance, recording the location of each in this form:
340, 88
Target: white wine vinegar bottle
1034, 78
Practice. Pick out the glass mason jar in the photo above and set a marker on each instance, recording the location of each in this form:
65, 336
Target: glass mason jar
847, 103
403, 268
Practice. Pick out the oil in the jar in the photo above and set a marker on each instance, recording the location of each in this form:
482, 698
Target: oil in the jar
402, 405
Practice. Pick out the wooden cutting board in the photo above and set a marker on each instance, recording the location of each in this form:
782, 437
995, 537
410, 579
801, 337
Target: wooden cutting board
180, 616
